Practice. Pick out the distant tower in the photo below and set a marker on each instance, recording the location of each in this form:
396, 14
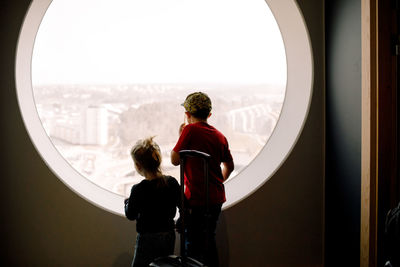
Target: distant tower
95, 125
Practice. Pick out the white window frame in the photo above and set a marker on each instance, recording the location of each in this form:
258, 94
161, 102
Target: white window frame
267, 162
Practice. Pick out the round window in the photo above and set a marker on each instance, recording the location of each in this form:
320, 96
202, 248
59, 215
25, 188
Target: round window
95, 76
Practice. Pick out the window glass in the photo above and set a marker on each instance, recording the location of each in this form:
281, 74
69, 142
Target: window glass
106, 73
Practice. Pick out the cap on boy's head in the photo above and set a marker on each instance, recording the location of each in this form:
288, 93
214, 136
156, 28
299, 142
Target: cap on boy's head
198, 104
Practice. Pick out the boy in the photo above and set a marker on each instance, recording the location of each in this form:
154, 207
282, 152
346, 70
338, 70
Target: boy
199, 135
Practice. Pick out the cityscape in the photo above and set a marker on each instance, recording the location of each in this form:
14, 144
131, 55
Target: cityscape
94, 126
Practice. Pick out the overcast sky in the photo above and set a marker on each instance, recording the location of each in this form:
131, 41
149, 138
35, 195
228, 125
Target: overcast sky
158, 41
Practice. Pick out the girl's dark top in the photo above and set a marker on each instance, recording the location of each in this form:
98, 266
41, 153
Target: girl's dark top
152, 204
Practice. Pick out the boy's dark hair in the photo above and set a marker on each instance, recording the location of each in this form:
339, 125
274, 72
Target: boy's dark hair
198, 104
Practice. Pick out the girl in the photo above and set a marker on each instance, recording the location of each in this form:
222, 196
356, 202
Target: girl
152, 203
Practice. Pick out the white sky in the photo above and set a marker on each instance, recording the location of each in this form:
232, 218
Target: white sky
158, 41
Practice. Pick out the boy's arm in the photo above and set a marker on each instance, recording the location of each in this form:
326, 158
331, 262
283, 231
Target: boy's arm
175, 158
227, 169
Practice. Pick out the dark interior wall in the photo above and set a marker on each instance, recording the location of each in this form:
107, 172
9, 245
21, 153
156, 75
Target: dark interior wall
343, 128
44, 223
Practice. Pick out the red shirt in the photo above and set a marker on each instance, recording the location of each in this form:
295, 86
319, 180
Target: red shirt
205, 138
